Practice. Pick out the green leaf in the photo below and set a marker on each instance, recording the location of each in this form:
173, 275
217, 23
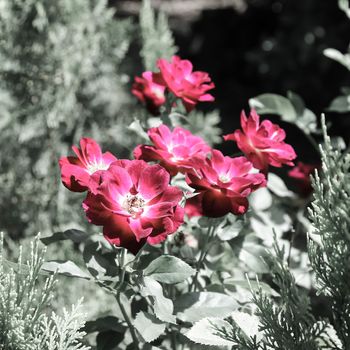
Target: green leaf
339, 57
249, 324
55, 237
264, 223
205, 332
306, 119
192, 307
277, 186
149, 327
179, 180
297, 102
169, 269
162, 306
250, 285
252, 254
137, 128
291, 109
344, 6
66, 268
100, 264
261, 199
231, 231
274, 104
108, 323
205, 221
77, 236
340, 104
109, 340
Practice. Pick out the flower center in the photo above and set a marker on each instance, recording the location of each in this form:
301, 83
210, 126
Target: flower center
224, 178
133, 204
93, 167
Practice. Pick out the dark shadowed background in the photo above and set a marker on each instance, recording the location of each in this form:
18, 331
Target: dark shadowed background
251, 47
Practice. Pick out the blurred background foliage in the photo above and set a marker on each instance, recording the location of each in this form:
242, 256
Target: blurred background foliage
66, 68
61, 78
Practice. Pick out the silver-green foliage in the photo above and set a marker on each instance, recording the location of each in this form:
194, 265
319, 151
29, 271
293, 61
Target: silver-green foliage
204, 125
24, 302
330, 214
63, 332
157, 39
287, 323
60, 79
20, 303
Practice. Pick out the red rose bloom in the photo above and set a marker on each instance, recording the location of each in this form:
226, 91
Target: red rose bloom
302, 173
149, 92
190, 86
193, 206
79, 173
174, 149
135, 204
224, 184
263, 144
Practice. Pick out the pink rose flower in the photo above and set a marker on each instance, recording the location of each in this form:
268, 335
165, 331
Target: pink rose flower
135, 204
179, 78
224, 184
80, 173
149, 92
174, 149
301, 172
263, 144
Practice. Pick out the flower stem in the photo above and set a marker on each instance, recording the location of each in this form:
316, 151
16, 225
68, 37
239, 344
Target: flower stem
127, 320
120, 304
168, 108
137, 256
203, 254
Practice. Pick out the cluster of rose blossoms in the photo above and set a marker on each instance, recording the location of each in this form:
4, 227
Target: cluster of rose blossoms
133, 200
176, 77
